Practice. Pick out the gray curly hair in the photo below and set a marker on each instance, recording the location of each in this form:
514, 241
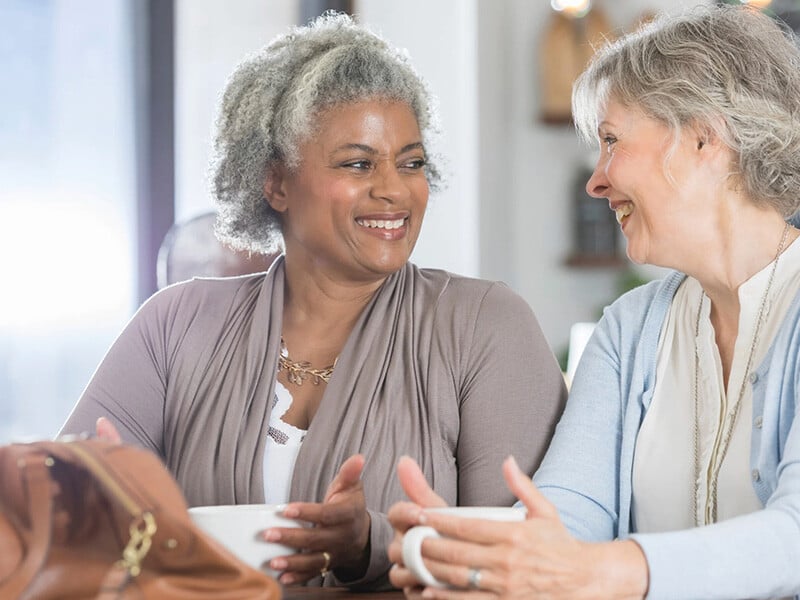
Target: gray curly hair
270, 105
729, 68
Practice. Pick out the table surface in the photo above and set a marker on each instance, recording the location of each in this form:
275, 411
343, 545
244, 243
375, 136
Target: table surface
318, 593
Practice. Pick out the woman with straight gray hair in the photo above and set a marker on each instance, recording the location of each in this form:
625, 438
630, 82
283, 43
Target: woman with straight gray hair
675, 470
305, 384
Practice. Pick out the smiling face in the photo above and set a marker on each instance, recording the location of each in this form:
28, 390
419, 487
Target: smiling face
353, 209
659, 214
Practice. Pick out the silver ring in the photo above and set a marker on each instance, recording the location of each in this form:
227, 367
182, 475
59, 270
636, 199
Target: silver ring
474, 579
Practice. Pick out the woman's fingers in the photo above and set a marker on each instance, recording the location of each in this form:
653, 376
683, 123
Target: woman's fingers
341, 524
299, 568
415, 485
347, 477
413, 593
461, 581
455, 576
481, 558
403, 515
323, 515
463, 564
476, 531
446, 594
523, 488
105, 430
402, 577
336, 540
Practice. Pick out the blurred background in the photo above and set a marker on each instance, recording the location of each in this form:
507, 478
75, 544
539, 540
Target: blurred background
105, 126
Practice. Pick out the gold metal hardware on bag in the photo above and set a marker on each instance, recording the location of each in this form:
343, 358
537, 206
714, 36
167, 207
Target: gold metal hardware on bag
142, 531
171, 544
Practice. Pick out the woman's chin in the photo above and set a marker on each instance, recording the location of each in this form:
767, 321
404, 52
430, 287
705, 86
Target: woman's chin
636, 257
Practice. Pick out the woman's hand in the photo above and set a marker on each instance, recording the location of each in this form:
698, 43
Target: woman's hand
404, 515
536, 558
341, 531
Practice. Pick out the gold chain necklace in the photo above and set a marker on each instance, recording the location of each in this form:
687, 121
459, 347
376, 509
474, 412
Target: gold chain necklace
298, 371
710, 512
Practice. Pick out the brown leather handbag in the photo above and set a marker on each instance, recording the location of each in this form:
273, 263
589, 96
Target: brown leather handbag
93, 519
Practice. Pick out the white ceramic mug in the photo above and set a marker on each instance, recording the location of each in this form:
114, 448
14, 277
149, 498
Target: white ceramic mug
413, 538
238, 528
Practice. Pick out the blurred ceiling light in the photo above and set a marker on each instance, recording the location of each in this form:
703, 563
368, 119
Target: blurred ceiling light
572, 8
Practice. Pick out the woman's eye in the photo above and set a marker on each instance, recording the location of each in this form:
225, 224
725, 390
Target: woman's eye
361, 165
415, 164
609, 141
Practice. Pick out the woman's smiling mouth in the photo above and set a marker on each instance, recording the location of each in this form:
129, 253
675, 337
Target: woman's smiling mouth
622, 210
381, 223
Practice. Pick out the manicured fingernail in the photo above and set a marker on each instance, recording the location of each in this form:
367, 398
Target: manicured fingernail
422, 518
278, 564
427, 593
291, 512
286, 579
272, 535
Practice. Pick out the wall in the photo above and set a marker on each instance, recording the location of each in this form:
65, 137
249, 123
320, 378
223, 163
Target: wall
211, 38
528, 169
506, 213
442, 48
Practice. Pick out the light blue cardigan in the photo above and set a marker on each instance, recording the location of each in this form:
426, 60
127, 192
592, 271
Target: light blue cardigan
587, 470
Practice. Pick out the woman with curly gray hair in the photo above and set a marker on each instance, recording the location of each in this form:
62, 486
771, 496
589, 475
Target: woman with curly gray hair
675, 469
305, 384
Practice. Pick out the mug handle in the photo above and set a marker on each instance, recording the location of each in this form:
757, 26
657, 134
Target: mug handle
412, 554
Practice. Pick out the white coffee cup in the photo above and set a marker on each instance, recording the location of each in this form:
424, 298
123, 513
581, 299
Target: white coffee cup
238, 528
413, 538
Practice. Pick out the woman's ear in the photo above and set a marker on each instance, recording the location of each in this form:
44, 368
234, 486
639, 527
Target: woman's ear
703, 136
706, 136
275, 189
710, 149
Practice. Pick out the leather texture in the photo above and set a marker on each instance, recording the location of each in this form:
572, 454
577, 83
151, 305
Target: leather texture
68, 511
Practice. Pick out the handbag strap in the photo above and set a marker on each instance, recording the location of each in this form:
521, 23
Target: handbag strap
34, 469
114, 583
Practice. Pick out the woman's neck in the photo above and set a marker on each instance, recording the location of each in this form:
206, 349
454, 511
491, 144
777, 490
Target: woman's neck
741, 246
726, 270
321, 307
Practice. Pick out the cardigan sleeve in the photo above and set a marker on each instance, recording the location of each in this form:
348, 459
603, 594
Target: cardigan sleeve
511, 395
751, 556
129, 385
581, 470
584, 472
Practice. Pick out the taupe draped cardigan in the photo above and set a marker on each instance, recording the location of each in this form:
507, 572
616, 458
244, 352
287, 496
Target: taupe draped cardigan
452, 371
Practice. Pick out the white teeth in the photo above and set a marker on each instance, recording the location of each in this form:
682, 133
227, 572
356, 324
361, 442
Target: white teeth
381, 223
623, 211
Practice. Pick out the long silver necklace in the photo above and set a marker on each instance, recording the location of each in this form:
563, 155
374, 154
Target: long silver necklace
710, 512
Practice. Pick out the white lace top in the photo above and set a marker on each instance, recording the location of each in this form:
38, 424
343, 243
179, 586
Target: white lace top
283, 444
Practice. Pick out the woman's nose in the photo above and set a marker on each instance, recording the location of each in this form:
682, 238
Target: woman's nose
388, 183
598, 185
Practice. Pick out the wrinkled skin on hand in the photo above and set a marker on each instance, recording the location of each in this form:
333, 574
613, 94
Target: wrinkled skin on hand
537, 558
